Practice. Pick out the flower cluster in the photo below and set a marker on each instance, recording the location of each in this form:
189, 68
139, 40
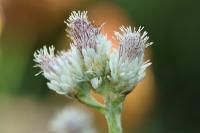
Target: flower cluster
91, 60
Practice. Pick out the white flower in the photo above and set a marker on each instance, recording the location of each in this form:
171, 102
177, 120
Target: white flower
126, 63
64, 70
72, 120
90, 59
93, 45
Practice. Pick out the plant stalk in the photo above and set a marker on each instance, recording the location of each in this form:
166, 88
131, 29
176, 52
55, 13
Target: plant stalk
114, 122
113, 114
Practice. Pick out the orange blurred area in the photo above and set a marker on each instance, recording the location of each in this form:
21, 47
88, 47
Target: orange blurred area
1, 19
111, 15
30, 21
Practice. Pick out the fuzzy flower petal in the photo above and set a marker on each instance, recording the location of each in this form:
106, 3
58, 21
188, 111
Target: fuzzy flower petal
96, 61
81, 30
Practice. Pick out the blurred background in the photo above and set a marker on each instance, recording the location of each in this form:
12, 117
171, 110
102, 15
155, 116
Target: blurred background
167, 101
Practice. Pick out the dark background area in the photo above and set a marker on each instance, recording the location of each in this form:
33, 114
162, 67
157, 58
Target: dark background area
174, 27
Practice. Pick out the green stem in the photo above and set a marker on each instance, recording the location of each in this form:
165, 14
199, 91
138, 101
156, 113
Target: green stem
112, 107
91, 102
113, 114
84, 97
114, 122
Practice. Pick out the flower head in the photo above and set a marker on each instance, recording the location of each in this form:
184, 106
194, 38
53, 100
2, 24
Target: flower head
72, 120
64, 70
92, 44
126, 63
